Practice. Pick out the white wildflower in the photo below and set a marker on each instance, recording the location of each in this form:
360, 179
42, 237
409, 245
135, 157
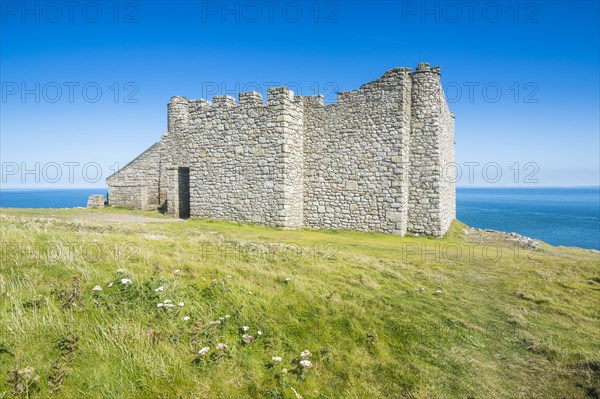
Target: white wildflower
438, 291
160, 305
259, 333
246, 339
245, 328
284, 371
97, 288
181, 304
159, 289
186, 318
227, 316
276, 358
204, 350
125, 281
306, 363
177, 271
222, 347
168, 301
229, 276
110, 285
305, 354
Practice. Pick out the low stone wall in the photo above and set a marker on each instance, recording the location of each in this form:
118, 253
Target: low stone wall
96, 201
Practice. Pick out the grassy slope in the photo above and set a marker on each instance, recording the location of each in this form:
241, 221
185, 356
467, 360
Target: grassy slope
522, 326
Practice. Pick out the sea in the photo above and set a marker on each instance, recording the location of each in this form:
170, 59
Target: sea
558, 216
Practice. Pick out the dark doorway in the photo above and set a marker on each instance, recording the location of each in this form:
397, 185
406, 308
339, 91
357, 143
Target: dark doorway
183, 180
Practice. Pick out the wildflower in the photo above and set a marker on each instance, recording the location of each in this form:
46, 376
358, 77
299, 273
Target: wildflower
305, 354
437, 292
97, 288
222, 318
276, 358
177, 271
168, 301
245, 328
246, 339
204, 351
284, 371
227, 316
229, 276
287, 280
186, 318
249, 292
125, 281
160, 305
259, 333
110, 285
181, 304
159, 289
306, 363
222, 347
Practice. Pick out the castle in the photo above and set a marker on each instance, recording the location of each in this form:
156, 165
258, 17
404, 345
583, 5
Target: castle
374, 161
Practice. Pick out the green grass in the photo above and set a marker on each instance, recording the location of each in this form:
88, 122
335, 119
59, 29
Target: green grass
522, 324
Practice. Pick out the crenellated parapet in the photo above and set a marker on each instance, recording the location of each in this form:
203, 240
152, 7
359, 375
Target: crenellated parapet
250, 99
182, 111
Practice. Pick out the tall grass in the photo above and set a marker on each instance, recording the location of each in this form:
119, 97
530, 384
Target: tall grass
383, 316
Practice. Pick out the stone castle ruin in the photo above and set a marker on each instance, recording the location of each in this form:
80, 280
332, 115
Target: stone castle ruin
374, 161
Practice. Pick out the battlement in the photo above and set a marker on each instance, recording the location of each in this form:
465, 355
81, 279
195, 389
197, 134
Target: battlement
276, 95
223, 101
372, 161
424, 67
387, 87
250, 99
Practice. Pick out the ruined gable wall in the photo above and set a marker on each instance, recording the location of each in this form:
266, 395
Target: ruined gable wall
136, 185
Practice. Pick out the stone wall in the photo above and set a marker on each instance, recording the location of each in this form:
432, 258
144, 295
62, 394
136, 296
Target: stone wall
354, 156
431, 150
244, 159
374, 161
136, 185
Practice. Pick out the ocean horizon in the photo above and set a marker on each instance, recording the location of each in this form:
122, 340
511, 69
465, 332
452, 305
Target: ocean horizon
568, 216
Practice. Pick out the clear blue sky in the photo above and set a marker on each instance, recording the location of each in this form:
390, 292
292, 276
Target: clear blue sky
543, 57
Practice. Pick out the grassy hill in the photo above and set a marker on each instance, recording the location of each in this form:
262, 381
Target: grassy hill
473, 315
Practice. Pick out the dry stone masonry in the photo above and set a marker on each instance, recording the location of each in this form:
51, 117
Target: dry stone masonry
375, 161
96, 201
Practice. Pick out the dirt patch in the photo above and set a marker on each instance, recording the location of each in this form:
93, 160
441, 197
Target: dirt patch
122, 218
